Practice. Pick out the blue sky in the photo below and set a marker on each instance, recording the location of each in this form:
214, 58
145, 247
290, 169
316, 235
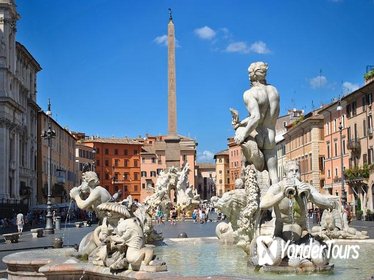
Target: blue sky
105, 61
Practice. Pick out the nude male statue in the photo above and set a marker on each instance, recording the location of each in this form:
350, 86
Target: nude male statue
90, 186
262, 103
288, 191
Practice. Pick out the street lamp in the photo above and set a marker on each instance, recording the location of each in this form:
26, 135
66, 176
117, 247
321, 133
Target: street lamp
49, 134
344, 194
93, 159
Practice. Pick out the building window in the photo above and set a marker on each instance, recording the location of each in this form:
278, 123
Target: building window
354, 108
98, 162
135, 188
336, 148
328, 150
125, 152
144, 173
135, 152
116, 162
97, 150
159, 171
136, 175
107, 176
153, 160
153, 174
125, 187
106, 162
143, 186
125, 176
126, 162
135, 163
106, 152
116, 151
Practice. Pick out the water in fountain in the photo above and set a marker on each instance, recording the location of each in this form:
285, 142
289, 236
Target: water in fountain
67, 218
305, 201
291, 214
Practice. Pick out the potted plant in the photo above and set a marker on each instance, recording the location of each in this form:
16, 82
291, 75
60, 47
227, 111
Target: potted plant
369, 75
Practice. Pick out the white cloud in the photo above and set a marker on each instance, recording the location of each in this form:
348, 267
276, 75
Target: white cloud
205, 33
161, 40
239, 47
205, 156
318, 82
259, 47
349, 87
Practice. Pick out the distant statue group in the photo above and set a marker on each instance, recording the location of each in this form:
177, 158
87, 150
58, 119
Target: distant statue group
125, 227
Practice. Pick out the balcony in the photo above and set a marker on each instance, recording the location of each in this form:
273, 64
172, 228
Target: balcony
354, 145
370, 132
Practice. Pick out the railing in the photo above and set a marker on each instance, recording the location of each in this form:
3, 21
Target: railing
354, 144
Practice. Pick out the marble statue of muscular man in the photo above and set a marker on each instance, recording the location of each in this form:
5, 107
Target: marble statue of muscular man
262, 103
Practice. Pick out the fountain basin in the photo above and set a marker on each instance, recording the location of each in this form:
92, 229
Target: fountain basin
185, 258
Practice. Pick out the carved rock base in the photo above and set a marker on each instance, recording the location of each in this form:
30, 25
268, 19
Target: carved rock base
61, 264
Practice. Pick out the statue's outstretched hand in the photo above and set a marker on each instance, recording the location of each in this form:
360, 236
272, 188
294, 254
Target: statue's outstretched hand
303, 189
74, 192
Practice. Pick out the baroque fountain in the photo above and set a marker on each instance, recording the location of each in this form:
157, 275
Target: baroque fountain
267, 227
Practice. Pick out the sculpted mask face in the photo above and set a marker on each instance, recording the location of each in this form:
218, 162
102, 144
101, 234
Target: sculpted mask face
293, 170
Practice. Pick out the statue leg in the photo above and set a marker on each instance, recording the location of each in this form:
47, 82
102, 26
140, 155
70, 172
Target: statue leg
272, 164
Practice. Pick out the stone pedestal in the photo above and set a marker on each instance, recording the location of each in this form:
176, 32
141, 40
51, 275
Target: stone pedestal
64, 264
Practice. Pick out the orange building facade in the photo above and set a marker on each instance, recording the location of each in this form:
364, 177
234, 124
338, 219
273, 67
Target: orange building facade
117, 163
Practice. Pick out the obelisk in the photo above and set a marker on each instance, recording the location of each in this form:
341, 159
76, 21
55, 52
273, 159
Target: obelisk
172, 149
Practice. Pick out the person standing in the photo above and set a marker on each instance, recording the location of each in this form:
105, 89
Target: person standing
20, 222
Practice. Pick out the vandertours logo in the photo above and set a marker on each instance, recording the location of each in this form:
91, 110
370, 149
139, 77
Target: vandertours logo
328, 250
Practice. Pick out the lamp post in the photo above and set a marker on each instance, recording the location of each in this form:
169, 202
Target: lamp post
344, 194
49, 134
93, 160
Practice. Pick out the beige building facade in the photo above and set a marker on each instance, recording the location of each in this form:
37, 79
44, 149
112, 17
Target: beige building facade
63, 164
356, 122
18, 116
222, 172
304, 143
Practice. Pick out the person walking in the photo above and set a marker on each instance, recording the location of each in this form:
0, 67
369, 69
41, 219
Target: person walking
159, 216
